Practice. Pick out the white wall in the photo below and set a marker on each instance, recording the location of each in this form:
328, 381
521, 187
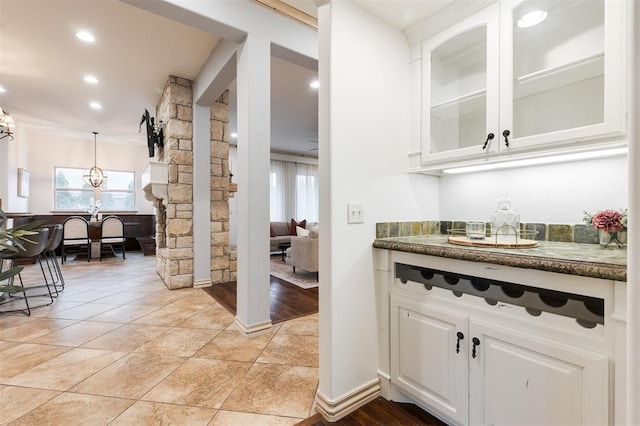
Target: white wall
45, 151
12, 156
364, 140
557, 193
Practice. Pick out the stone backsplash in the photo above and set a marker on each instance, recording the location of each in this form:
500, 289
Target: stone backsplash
578, 233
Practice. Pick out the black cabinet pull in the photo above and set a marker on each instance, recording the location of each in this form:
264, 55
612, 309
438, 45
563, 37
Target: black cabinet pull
476, 342
460, 337
489, 137
506, 134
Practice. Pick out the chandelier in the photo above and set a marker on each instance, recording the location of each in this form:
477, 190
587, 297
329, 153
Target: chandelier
6, 124
95, 176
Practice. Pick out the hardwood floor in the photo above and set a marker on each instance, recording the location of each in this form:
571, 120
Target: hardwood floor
287, 300
380, 412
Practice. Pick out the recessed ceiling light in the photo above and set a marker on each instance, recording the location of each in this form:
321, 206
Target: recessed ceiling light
95, 105
85, 36
315, 84
532, 18
90, 79
2, 89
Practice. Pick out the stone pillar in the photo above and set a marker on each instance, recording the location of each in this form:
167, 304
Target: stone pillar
220, 253
174, 235
174, 222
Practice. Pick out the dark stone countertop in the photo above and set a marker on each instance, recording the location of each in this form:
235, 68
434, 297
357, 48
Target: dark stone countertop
588, 260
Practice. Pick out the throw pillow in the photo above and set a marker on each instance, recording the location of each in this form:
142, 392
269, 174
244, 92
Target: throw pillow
293, 224
301, 232
314, 232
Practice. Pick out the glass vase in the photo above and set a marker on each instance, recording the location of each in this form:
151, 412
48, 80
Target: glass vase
611, 240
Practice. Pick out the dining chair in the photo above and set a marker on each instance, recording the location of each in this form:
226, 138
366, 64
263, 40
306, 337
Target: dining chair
33, 248
112, 233
50, 257
75, 234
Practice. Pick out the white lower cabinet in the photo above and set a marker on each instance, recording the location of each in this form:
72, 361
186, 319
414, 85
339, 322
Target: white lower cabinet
472, 371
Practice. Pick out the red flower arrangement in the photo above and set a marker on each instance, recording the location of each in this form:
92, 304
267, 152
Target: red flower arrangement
608, 220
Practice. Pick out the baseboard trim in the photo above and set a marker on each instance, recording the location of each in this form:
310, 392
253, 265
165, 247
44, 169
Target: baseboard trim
335, 410
202, 283
253, 329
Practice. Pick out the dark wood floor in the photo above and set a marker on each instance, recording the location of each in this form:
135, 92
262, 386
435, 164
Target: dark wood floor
380, 412
287, 300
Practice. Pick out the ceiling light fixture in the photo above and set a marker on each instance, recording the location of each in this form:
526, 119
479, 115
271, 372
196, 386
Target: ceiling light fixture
91, 79
588, 155
532, 18
315, 84
95, 105
6, 124
95, 176
233, 135
85, 36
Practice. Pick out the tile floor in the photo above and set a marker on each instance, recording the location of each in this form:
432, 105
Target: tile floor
118, 348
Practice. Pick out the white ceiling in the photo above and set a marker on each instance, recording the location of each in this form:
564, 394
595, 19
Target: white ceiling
42, 65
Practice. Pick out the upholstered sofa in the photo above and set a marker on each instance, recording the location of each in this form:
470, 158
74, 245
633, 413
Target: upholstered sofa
280, 233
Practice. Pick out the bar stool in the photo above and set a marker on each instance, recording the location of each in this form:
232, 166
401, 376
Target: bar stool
50, 257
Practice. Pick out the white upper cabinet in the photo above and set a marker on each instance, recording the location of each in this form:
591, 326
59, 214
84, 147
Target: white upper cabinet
494, 86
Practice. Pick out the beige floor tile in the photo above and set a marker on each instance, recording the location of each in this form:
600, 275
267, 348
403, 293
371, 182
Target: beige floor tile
233, 346
291, 349
276, 390
84, 311
124, 314
155, 413
76, 409
7, 345
179, 342
16, 401
234, 418
65, 370
168, 316
26, 356
131, 376
123, 297
51, 310
199, 300
90, 295
307, 326
215, 317
159, 299
10, 320
33, 329
76, 334
200, 382
127, 338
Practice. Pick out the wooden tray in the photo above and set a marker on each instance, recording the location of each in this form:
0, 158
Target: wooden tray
491, 242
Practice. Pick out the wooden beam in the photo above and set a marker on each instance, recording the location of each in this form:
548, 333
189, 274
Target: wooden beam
285, 9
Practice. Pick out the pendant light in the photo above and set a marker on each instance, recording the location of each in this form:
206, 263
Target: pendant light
95, 176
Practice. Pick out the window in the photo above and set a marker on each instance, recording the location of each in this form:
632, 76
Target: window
294, 191
73, 193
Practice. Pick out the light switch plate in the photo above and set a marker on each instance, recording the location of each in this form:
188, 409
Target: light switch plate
355, 213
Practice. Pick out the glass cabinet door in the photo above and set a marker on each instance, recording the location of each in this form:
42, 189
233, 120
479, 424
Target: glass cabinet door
460, 90
559, 87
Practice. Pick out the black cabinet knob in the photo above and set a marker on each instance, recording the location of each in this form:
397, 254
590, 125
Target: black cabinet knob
476, 343
460, 337
506, 134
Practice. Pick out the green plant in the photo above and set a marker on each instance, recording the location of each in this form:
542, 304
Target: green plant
13, 240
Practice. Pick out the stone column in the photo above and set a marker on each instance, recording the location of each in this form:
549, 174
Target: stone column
174, 222
175, 236
220, 253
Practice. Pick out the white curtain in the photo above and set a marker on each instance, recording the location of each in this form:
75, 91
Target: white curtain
294, 191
